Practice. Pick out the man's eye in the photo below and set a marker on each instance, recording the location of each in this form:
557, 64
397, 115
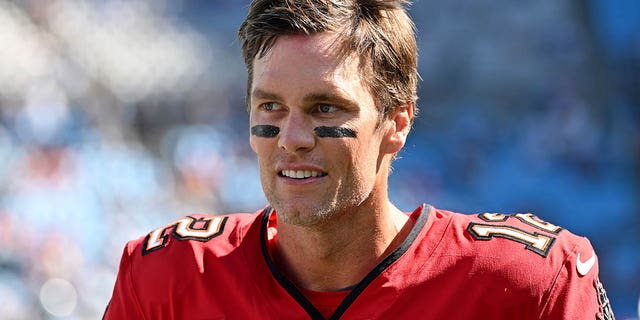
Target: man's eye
269, 106
327, 108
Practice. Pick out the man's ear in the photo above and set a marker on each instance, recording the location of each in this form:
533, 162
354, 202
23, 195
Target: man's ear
399, 125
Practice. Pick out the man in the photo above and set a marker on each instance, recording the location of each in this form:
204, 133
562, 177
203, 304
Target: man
331, 98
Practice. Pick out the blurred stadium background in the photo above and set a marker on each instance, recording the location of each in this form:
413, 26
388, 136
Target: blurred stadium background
117, 117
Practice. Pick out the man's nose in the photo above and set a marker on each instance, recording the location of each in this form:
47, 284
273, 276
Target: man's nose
296, 133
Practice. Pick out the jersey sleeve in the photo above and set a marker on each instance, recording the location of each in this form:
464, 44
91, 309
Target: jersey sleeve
577, 292
124, 302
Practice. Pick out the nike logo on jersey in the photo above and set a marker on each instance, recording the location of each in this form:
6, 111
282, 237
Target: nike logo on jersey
585, 267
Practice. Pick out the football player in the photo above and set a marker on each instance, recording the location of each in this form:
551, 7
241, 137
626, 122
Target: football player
331, 98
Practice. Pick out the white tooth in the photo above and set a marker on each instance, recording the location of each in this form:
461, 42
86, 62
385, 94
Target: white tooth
300, 174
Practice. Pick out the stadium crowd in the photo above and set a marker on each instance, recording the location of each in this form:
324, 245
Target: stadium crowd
117, 117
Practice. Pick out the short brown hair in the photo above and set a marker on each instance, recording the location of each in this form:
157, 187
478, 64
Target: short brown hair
378, 30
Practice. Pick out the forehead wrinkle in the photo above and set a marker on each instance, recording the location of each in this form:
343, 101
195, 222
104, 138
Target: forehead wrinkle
334, 75
328, 50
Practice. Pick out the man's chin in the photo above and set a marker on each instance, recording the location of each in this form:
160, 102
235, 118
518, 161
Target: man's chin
302, 216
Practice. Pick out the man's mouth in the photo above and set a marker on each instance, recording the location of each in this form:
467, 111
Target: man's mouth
301, 174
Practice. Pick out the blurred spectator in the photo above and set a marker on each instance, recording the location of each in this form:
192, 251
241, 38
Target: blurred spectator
117, 117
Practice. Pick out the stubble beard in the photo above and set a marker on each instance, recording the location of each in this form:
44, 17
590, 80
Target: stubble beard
312, 215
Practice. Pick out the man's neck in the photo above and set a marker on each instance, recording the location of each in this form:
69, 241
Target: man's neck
339, 253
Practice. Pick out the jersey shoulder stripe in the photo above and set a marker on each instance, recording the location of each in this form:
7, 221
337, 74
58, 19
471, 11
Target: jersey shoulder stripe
222, 231
521, 241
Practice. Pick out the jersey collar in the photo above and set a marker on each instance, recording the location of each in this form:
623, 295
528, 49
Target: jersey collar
421, 220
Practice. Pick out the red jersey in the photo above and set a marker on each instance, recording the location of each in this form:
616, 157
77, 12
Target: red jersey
450, 266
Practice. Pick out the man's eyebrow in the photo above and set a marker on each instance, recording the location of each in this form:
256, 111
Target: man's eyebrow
327, 97
264, 95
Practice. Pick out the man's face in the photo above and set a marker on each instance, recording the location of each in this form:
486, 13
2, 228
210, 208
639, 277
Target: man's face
314, 129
